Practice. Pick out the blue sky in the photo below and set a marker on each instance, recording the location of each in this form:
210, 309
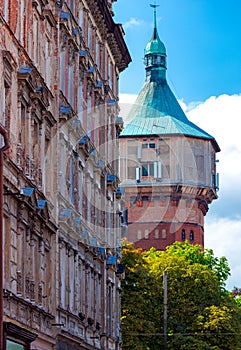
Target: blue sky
203, 42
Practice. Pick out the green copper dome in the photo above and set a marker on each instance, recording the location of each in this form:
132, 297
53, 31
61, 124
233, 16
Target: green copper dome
155, 46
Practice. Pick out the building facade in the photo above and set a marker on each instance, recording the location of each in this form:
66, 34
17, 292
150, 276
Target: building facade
59, 68
168, 164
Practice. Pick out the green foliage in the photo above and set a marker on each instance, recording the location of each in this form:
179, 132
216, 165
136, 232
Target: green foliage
201, 314
189, 342
139, 300
195, 254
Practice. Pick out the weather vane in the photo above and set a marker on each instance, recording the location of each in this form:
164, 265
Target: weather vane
154, 6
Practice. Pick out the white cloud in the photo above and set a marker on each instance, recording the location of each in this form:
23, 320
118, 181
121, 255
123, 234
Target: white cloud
223, 236
133, 22
126, 102
220, 116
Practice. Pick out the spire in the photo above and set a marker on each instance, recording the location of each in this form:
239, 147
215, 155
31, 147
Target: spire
155, 51
155, 34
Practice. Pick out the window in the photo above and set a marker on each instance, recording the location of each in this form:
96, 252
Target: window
22, 23
110, 73
163, 60
132, 149
63, 275
90, 38
81, 18
22, 130
62, 70
80, 102
191, 236
97, 53
80, 282
154, 60
36, 38
148, 169
146, 233
5, 10
6, 104
109, 311
48, 55
183, 235
72, 282
35, 138
200, 167
148, 60
138, 234
71, 85
144, 171
156, 233
131, 170
164, 233
98, 296
7, 76
12, 345
151, 169
148, 151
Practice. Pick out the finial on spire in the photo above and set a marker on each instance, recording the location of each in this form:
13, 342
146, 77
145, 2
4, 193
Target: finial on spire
155, 27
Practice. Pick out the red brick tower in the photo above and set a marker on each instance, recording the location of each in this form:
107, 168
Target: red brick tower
168, 164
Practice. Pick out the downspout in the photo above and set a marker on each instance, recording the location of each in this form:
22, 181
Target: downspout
4, 134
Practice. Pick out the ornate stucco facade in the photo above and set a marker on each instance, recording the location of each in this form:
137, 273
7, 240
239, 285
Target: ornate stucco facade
59, 67
168, 164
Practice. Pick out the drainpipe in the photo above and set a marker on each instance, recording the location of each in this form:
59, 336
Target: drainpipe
5, 146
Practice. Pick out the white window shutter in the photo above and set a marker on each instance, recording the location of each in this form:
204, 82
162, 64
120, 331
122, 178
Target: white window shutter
159, 170
137, 174
155, 170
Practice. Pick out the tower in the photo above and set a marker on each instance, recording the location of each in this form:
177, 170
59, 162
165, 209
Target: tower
168, 164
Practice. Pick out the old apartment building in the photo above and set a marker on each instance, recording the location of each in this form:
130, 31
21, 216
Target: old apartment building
59, 67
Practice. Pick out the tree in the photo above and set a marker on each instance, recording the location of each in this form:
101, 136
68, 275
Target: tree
201, 314
195, 254
140, 301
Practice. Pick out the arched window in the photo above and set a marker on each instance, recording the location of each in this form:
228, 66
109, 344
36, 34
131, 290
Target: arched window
156, 233
183, 235
191, 236
138, 234
146, 233
164, 233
